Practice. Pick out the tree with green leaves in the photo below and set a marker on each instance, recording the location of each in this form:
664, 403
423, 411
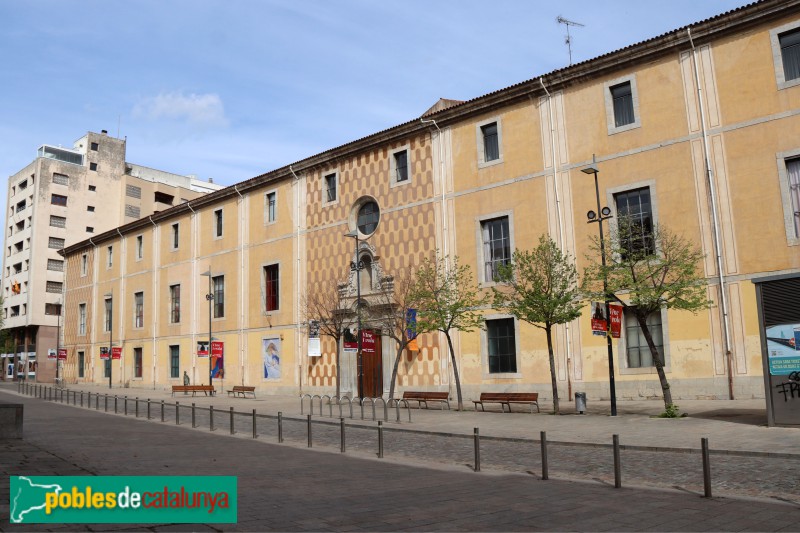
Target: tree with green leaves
389, 311
448, 298
540, 287
648, 269
327, 303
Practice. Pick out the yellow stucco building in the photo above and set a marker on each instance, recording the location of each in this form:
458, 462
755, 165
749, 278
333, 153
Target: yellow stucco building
697, 129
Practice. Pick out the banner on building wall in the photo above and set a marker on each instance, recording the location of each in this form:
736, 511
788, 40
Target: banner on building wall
367, 341
62, 354
217, 359
411, 331
271, 357
599, 324
202, 348
349, 340
116, 352
783, 349
314, 344
104, 352
615, 310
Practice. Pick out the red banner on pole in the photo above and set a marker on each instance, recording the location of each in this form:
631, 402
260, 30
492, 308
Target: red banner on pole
116, 352
62, 354
615, 311
599, 324
216, 348
367, 341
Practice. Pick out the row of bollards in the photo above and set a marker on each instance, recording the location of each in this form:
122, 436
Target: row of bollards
48, 393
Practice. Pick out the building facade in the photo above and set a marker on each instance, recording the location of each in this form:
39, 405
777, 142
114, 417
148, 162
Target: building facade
696, 130
64, 196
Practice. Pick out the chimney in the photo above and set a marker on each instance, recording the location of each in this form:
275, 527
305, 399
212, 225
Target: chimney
211, 180
104, 132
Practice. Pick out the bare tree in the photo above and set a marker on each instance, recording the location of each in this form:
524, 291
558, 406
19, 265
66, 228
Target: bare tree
327, 303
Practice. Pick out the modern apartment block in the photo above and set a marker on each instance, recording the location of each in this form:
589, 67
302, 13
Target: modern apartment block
64, 196
697, 129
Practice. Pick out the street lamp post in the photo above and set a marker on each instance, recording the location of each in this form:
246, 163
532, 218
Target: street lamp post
356, 266
599, 216
110, 297
210, 298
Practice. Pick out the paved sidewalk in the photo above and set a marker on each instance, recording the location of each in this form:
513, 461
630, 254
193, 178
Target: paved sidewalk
288, 488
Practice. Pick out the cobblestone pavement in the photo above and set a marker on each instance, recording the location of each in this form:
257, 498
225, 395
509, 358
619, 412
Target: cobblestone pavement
743, 474
285, 487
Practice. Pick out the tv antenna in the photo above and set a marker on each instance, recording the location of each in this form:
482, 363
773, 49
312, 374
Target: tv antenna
568, 38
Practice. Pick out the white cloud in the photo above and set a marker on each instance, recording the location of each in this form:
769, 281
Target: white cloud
198, 110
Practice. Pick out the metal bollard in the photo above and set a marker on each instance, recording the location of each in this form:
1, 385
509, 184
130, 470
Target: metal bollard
211, 417
89, 401
617, 464
380, 439
115, 403
341, 430
177, 413
97, 401
706, 467
126, 406
232, 428
162, 410
137, 407
105, 402
476, 436
544, 455
255, 435
194, 425
280, 426
148, 408
81, 398
309, 431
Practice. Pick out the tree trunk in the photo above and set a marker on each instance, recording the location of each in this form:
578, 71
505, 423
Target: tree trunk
455, 370
338, 371
394, 369
548, 329
662, 376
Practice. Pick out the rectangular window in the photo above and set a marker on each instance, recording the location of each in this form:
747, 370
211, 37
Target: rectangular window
622, 97
174, 361
790, 54
58, 222
107, 310
107, 368
637, 352
401, 166
110, 256
84, 264
138, 310
55, 243
58, 199
218, 223
81, 364
175, 236
270, 199
139, 246
81, 319
219, 296
496, 246
635, 222
501, 344
94, 147
52, 309
137, 362
92, 188
56, 265
793, 175
60, 179
330, 188
491, 145
272, 299
93, 166
21, 205
175, 304
90, 208
89, 229
163, 198
54, 286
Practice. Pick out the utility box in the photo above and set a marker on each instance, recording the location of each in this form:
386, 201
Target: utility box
580, 402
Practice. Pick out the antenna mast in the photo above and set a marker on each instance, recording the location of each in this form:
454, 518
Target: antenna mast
568, 38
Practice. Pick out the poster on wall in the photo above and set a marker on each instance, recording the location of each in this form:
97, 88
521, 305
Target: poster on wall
271, 355
202, 348
217, 359
349, 340
104, 352
51, 353
783, 349
314, 344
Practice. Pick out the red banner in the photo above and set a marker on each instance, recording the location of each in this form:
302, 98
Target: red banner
367, 341
103, 353
599, 324
62, 354
216, 348
615, 311
116, 352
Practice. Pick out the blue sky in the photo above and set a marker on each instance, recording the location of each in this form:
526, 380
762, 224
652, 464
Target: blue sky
232, 89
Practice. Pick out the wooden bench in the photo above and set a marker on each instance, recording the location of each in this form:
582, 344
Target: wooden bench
194, 389
425, 397
507, 398
242, 390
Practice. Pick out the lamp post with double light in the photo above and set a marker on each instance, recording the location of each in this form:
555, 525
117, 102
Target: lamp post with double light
210, 298
356, 266
109, 297
599, 216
